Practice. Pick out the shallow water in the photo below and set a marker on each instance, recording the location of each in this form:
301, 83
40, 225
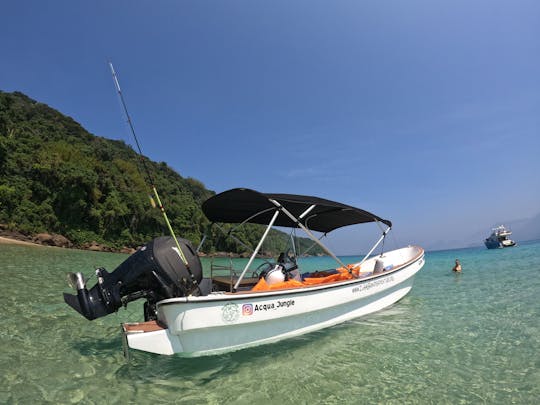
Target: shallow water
467, 338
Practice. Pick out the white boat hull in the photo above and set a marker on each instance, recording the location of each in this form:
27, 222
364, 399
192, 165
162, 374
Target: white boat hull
224, 322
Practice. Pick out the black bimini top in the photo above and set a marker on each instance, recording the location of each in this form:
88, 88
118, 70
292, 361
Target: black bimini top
241, 204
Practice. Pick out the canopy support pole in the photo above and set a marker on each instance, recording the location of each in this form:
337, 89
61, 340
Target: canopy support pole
256, 249
206, 232
306, 230
237, 240
305, 252
376, 244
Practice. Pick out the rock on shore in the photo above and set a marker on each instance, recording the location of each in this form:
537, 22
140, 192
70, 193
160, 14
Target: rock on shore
52, 240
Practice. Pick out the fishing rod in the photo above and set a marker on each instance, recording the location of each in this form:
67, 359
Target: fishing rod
149, 176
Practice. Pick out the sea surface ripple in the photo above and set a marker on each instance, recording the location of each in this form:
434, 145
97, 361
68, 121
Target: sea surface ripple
471, 338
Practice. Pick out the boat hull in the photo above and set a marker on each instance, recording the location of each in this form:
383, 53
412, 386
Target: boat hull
492, 244
218, 323
496, 244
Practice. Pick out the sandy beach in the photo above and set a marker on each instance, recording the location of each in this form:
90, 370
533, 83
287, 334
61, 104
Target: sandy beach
9, 241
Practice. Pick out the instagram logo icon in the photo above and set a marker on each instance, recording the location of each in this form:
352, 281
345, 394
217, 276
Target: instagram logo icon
247, 309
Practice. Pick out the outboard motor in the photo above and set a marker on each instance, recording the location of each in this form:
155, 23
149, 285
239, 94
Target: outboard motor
155, 272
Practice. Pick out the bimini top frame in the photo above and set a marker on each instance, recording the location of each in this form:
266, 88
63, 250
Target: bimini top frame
308, 213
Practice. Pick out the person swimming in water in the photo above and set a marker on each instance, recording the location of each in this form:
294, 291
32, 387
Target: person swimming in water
457, 267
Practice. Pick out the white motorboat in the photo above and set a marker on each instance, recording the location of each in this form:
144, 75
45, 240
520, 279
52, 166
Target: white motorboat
499, 238
190, 315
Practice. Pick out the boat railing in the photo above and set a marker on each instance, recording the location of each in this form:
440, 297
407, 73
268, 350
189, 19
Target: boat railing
225, 275
220, 269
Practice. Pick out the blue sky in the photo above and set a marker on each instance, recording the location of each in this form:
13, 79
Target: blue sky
426, 113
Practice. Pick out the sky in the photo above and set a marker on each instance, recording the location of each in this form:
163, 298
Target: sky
422, 112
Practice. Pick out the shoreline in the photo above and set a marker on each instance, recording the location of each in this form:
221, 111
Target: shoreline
53, 240
6, 240
10, 241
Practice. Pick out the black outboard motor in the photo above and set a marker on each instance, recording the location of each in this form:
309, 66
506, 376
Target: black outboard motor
155, 272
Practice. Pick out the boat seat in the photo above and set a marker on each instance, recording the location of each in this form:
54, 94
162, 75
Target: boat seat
227, 283
319, 273
289, 266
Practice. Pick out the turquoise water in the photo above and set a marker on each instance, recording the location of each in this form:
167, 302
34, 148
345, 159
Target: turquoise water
469, 338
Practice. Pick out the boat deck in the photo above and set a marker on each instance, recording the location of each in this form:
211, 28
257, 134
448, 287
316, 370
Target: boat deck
142, 327
227, 283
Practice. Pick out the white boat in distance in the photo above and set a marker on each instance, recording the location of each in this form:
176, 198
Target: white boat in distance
499, 238
190, 315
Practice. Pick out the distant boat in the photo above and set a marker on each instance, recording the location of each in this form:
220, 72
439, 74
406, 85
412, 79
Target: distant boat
499, 238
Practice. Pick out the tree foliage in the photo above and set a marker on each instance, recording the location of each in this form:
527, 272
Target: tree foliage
56, 177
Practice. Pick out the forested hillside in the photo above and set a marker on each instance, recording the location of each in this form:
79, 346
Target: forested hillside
55, 177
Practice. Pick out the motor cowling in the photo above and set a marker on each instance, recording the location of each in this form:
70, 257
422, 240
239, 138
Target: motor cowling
155, 272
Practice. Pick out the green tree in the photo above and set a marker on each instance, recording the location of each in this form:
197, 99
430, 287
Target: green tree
57, 177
